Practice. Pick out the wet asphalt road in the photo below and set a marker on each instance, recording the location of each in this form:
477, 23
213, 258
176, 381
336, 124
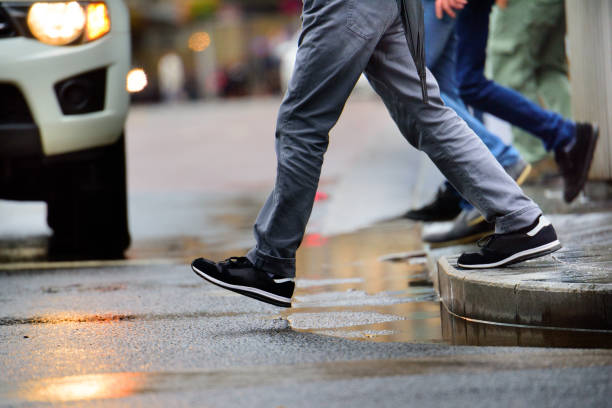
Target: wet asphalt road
146, 331
157, 336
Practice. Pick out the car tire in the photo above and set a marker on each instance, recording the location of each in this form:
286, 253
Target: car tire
87, 205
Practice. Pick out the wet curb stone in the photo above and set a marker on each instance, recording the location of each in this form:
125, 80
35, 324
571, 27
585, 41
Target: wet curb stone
571, 289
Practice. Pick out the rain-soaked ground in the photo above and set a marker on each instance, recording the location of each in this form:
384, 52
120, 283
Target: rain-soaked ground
370, 284
365, 328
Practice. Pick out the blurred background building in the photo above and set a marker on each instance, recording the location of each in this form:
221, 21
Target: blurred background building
204, 49
197, 49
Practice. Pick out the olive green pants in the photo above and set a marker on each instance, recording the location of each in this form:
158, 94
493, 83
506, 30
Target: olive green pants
526, 52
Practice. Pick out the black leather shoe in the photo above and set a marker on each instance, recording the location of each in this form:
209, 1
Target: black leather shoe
499, 250
575, 159
469, 227
239, 275
444, 207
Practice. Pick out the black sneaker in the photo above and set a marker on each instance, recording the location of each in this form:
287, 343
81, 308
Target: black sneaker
497, 250
470, 226
444, 207
575, 158
239, 275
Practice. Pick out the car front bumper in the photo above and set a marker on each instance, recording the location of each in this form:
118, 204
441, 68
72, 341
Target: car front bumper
35, 68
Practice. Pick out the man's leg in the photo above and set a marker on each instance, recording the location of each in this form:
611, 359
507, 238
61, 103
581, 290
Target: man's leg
447, 140
440, 38
337, 41
521, 231
440, 53
469, 225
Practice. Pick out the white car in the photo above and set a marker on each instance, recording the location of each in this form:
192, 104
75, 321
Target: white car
63, 107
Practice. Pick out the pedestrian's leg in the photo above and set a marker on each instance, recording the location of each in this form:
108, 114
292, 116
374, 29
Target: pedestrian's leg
337, 41
442, 62
448, 141
440, 52
483, 94
521, 231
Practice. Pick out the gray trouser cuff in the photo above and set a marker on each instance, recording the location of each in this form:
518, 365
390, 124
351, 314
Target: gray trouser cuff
517, 220
284, 267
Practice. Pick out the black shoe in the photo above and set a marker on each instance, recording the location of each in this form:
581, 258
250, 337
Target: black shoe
444, 207
470, 226
239, 275
575, 158
535, 241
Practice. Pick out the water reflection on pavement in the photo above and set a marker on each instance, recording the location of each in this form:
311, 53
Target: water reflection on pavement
346, 287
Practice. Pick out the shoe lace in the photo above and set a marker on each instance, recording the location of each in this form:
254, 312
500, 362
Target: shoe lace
236, 261
486, 241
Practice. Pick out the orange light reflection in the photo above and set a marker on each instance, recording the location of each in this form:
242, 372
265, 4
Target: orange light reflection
84, 387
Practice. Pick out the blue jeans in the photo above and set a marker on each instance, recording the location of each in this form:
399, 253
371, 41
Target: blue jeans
476, 90
440, 55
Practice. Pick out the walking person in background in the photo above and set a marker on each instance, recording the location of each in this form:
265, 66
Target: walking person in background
469, 225
572, 143
340, 39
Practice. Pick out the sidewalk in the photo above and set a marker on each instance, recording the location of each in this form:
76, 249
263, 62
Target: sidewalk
564, 299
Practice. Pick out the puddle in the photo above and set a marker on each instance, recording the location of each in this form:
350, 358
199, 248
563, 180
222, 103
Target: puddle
368, 285
371, 284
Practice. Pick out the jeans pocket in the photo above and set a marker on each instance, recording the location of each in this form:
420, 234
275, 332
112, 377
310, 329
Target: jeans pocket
359, 19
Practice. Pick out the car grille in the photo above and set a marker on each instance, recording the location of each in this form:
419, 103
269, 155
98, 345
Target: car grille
6, 26
13, 106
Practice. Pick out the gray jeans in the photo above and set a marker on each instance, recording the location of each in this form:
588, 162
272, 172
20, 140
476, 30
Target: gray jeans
341, 39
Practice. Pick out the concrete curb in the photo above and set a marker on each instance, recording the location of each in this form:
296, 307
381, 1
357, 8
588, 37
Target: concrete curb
518, 296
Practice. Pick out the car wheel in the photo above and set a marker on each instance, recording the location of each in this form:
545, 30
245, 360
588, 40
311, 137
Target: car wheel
87, 205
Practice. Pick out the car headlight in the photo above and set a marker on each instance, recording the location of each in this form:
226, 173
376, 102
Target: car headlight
62, 23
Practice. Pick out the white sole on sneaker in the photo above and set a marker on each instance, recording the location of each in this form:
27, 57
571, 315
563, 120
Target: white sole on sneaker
519, 256
241, 289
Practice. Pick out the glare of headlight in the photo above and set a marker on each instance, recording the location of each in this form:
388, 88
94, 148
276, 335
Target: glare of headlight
56, 23
98, 22
136, 80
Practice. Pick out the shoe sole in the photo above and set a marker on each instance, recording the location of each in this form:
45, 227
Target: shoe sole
254, 293
460, 241
519, 256
585, 169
